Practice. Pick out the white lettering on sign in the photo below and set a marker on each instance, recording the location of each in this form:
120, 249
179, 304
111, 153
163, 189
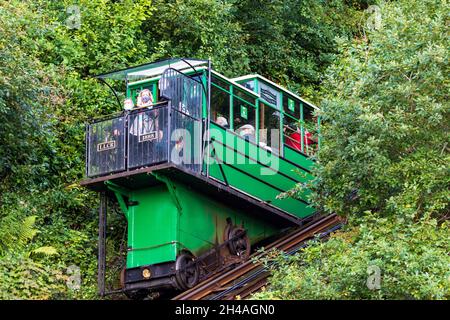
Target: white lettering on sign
108, 145
147, 136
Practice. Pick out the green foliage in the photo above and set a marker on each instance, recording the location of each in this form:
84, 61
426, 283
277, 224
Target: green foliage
46, 250
106, 35
413, 262
23, 278
34, 165
386, 117
290, 42
20, 106
383, 165
15, 233
198, 28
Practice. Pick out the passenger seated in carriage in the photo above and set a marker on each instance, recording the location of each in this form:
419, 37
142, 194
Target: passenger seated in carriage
144, 99
294, 138
247, 131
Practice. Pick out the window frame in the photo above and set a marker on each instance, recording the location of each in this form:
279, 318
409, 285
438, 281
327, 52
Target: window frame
233, 96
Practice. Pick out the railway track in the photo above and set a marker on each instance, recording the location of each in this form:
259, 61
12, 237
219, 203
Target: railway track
249, 276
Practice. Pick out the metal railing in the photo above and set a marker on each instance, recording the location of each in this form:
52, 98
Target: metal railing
165, 132
147, 137
105, 146
185, 93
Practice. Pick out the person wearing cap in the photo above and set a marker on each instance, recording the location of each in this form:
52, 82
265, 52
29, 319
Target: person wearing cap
247, 131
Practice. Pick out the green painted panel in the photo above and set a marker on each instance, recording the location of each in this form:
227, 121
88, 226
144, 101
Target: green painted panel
235, 152
203, 221
286, 167
298, 158
264, 192
157, 230
251, 167
152, 226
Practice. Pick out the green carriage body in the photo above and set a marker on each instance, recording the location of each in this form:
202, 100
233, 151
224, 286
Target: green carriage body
172, 217
172, 208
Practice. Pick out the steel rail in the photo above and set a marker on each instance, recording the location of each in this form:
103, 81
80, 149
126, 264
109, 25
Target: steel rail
217, 282
259, 278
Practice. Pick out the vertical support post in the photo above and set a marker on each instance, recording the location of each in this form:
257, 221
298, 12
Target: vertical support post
231, 108
257, 125
169, 129
208, 121
257, 105
319, 133
102, 244
302, 134
281, 133
126, 133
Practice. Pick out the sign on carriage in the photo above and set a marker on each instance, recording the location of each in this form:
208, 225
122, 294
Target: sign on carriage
147, 136
108, 145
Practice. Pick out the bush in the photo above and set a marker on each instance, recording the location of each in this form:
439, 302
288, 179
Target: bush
383, 165
386, 118
23, 278
412, 261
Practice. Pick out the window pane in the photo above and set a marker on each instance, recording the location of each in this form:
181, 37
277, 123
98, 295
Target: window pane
292, 133
250, 84
308, 113
221, 83
220, 106
243, 96
269, 127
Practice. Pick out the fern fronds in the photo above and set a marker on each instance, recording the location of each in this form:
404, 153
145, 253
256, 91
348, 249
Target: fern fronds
15, 233
46, 250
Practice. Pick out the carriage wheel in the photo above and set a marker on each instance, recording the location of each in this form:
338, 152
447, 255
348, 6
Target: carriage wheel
187, 271
240, 246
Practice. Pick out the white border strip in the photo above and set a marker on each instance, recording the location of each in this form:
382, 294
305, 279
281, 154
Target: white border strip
252, 76
234, 83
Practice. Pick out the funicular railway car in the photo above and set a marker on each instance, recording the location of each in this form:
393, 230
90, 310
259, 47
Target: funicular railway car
196, 161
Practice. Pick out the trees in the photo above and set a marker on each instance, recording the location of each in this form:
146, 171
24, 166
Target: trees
293, 42
384, 165
387, 117
386, 110
43, 103
198, 28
